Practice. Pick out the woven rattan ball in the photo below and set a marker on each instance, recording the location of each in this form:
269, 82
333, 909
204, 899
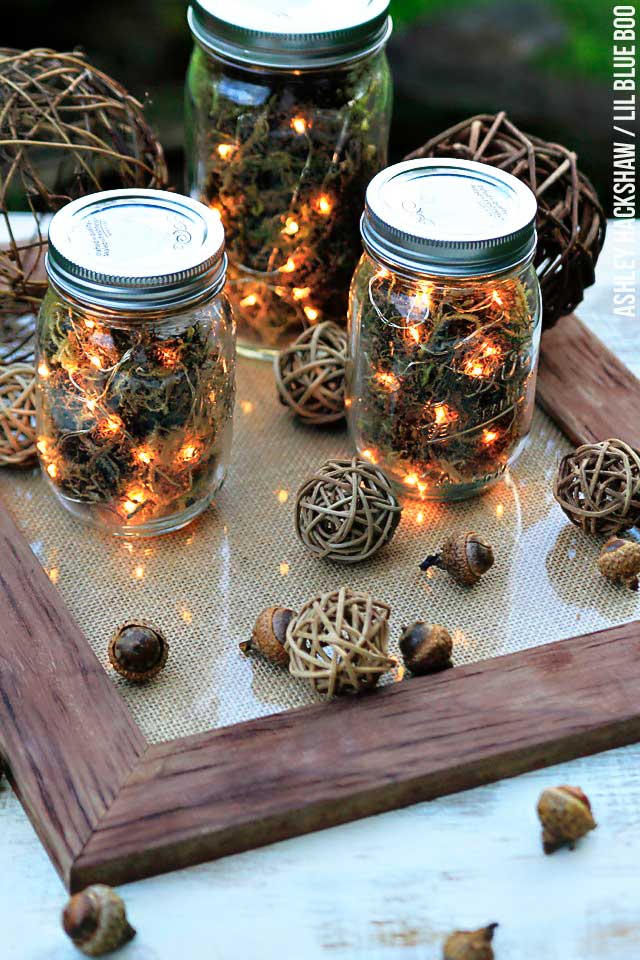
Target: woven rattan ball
66, 129
571, 223
598, 486
338, 642
310, 374
346, 511
17, 415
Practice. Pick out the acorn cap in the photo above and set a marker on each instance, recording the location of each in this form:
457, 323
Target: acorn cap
138, 651
95, 920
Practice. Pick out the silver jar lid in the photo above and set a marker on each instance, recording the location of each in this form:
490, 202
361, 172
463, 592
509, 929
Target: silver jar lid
136, 250
291, 34
449, 218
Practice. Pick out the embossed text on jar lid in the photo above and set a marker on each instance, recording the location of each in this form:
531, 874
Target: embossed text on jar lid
291, 34
449, 217
137, 250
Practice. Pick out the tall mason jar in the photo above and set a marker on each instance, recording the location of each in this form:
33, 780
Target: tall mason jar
287, 121
135, 361
444, 326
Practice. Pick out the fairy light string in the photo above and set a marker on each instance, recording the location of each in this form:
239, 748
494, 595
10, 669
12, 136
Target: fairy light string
127, 423
443, 377
288, 181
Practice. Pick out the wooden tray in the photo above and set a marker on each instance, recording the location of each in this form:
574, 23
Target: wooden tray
110, 807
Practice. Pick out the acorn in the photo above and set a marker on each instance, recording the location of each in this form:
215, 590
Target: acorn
619, 561
138, 651
565, 815
269, 634
470, 944
426, 647
96, 921
465, 556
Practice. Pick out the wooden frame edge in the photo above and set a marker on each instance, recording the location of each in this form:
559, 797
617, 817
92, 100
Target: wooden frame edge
244, 786
107, 806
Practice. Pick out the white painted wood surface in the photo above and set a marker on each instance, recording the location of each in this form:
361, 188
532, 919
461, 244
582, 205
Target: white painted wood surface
390, 887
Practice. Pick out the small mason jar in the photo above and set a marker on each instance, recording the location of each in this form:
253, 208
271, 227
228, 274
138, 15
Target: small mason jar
287, 121
444, 326
135, 361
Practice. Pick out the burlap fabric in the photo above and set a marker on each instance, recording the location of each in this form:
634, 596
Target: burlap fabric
204, 586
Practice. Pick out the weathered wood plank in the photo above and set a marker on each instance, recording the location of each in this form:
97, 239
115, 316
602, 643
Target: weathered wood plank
65, 733
277, 777
584, 388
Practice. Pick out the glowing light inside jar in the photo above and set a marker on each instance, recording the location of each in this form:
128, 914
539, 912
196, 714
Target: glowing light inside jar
94, 360
111, 426
369, 455
283, 496
488, 436
387, 380
311, 313
301, 293
225, 150
288, 267
323, 205
249, 301
189, 453
484, 363
52, 470
299, 124
168, 356
89, 323
41, 447
144, 455
443, 414
495, 296
291, 227
43, 371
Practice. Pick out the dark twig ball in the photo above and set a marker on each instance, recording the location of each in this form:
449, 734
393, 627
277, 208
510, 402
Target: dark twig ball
571, 223
138, 651
66, 129
598, 486
346, 511
310, 374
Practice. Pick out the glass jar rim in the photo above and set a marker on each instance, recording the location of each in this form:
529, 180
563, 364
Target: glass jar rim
449, 217
293, 49
136, 251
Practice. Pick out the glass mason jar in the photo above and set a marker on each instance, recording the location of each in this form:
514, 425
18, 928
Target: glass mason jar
444, 326
287, 121
135, 361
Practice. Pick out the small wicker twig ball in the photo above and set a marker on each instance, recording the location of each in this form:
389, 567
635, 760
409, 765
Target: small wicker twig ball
17, 415
571, 223
598, 486
346, 511
310, 374
66, 129
338, 642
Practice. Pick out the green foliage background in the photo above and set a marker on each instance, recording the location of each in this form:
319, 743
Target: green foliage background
589, 23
